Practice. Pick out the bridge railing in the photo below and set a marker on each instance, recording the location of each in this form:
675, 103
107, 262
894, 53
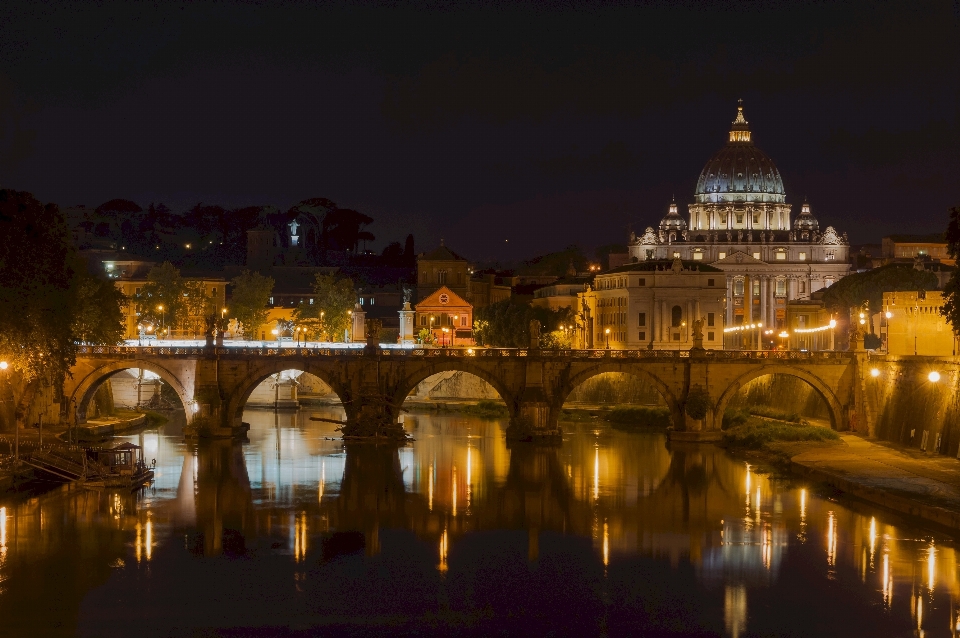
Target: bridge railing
193, 351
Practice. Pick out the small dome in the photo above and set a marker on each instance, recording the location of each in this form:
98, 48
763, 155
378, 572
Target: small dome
740, 172
805, 220
673, 220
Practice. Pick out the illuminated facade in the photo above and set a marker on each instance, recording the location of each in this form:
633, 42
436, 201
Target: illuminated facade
912, 324
653, 305
741, 223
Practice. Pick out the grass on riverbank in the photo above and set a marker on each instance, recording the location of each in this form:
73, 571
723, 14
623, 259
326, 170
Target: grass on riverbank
486, 409
755, 434
740, 416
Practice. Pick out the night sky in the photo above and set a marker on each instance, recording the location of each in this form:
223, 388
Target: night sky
540, 124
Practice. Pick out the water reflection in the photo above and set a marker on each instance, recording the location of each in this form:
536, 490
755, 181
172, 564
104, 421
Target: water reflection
611, 533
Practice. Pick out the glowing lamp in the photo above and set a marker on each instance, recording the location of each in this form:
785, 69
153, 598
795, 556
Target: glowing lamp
833, 323
3, 365
874, 372
889, 315
933, 376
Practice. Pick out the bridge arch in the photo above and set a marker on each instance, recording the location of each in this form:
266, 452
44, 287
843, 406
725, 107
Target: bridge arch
266, 368
570, 384
88, 386
411, 380
828, 395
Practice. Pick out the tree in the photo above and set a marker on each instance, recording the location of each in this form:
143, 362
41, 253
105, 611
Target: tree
951, 290
506, 324
329, 316
868, 287
99, 316
49, 303
35, 287
248, 302
163, 297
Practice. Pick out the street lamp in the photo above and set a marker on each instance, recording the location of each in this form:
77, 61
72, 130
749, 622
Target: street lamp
933, 377
162, 316
607, 333
323, 327
453, 329
445, 330
784, 335
276, 333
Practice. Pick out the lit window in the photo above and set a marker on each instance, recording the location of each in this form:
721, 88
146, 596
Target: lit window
722, 256
371, 301
756, 255
738, 287
271, 301
739, 219
676, 255
781, 255
781, 287
697, 256
361, 301
311, 302
803, 256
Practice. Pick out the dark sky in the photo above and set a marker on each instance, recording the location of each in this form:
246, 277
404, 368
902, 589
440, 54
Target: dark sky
540, 124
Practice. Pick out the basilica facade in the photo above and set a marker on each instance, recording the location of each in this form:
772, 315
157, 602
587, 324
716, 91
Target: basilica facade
740, 223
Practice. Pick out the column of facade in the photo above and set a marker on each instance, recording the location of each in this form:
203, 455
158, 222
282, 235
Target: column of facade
763, 301
772, 303
748, 299
729, 310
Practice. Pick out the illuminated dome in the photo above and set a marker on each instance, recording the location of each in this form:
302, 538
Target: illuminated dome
805, 220
673, 220
740, 172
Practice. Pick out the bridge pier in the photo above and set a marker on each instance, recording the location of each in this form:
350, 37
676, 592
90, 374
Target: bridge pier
534, 418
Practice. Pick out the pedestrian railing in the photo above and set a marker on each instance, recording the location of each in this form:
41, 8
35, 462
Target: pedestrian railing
420, 352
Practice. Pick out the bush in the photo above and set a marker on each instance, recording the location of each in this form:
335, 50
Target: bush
698, 403
638, 416
754, 434
733, 418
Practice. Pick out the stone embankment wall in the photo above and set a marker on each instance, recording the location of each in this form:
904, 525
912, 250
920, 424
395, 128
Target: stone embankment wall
908, 408
616, 388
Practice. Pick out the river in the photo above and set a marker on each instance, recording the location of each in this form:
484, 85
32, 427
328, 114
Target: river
612, 533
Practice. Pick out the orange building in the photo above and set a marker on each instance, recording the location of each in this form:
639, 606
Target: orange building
447, 316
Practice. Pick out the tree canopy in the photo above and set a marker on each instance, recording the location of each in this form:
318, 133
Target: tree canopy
329, 316
853, 290
506, 324
248, 304
951, 290
50, 303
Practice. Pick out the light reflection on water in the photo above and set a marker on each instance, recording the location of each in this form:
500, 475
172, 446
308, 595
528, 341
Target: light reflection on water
611, 533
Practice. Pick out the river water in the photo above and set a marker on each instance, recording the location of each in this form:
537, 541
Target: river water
613, 534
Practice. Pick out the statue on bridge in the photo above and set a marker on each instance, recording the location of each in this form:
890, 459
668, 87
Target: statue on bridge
534, 333
697, 327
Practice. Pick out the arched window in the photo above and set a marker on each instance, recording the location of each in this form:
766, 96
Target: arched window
676, 316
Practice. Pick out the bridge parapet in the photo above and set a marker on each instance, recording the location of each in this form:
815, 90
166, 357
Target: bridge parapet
458, 353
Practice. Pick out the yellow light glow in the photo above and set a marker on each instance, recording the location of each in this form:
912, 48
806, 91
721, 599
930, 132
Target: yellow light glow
444, 548
833, 323
606, 544
931, 567
3, 365
454, 488
934, 376
149, 538
887, 581
430, 489
874, 372
889, 315
873, 537
596, 473
831, 539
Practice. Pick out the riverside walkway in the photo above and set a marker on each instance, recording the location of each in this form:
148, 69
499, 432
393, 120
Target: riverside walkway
905, 480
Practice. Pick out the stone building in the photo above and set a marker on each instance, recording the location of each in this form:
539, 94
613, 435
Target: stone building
740, 222
913, 324
906, 248
442, 267
447, 315
653, 304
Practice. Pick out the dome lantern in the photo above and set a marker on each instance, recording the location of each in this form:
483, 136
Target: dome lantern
673, 220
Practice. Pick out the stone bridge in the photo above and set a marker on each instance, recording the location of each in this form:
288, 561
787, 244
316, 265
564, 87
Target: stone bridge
217, 381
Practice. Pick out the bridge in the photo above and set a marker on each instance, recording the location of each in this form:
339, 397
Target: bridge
215, 381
